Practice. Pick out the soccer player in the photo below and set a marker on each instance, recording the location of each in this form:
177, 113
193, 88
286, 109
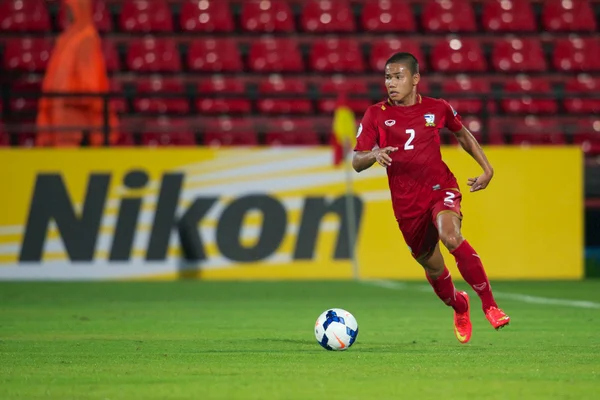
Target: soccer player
402, 135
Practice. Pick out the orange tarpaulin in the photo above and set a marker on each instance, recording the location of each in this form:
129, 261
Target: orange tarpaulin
76, 65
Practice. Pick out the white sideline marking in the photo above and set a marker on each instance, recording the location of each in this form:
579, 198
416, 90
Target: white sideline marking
511, 296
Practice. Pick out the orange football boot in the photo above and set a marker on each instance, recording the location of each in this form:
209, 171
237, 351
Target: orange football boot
462, 321
497, 317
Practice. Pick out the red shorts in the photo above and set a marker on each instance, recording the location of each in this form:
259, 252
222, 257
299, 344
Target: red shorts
421, 233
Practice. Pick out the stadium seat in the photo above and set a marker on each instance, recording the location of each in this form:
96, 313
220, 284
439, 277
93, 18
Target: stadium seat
518, 55
24, 16
145, 16
206, 16
291, 132
336, 55
153, 55
583, 83
320, 16
160, 105
475, 126
111, 56
168, 132
387, 16
226, 131
4, 137
117, 103
280, 87
587, 135
20, 101
216, 103
464, 85
341, 84
214, 55
525, 85
383, 49
275, 55
568, 16
458, 55
267, 16
101, 16
448, 16
508, 16
577, 54
533, 130
27, 54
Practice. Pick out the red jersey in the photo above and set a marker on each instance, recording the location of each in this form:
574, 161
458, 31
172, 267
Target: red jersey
417, 171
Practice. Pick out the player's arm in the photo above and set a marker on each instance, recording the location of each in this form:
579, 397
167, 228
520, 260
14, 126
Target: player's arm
470, 145
365, 159
367, 150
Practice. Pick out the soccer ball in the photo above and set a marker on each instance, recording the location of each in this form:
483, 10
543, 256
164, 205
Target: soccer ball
336, 329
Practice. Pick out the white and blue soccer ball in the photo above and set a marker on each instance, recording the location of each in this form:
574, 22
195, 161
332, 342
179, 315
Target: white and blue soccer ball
336, 329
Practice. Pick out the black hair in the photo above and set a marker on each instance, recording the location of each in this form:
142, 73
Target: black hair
405, 58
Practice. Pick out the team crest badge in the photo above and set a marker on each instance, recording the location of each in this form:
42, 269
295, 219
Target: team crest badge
429, 120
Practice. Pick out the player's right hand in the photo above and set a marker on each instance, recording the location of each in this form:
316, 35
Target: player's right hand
382, 156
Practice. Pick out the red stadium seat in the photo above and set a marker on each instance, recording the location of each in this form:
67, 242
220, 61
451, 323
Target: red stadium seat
583, 83
383, 49
518, 55
387, 16
206, 16
577, 54
24, 16
276, 85
146, 16
342, 84
336, 55
101, 16
216, 104
475, 126
168, 132
320, 16
291, 132
214, 55
230, 132
153, 55
111, 56
267, 16
4, 137
532, 130
508, 16
587, 135
275, 55
458, 55
464, 85
525, 85
117, 103
160, 105
21, 99
27, 54
568, 16
448, 16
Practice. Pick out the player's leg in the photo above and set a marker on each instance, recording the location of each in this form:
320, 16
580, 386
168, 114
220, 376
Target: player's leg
440, 279
469, 264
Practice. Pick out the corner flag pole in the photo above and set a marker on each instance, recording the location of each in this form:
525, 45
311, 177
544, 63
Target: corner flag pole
351, 213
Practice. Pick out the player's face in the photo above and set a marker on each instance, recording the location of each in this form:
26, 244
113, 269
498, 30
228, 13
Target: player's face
399, 81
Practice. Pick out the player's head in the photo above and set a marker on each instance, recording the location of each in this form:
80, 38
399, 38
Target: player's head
401, 75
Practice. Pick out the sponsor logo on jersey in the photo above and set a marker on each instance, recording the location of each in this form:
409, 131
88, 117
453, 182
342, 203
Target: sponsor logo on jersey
429, 120
453, 110
359, 130
390, 122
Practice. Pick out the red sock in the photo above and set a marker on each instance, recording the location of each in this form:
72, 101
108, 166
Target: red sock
470, 267
444, 288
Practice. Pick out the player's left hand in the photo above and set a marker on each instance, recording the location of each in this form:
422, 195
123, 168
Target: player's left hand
480, 182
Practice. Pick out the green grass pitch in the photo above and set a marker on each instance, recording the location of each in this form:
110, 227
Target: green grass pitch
243, 340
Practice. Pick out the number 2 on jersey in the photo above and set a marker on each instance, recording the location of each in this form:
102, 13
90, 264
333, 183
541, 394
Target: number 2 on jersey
408, 145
